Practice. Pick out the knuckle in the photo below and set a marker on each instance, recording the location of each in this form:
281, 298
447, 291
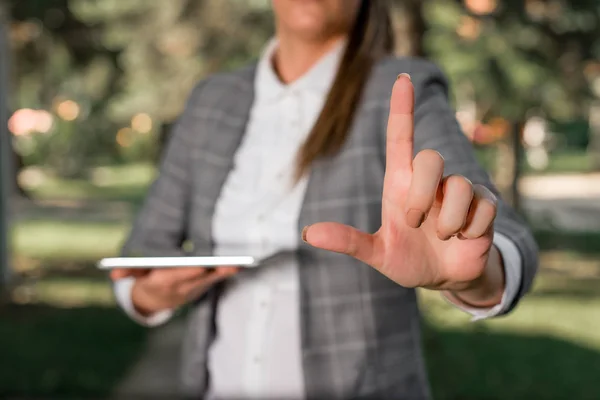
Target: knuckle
421, 194
458, 185
483, 220
352, 247
474, 233
477, 230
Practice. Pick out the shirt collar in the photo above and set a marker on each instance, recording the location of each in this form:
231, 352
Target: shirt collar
318, 79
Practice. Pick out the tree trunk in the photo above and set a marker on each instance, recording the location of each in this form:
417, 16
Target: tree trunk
163, 140
594, 143
16, 166
410, 27
508, 166
517, 154
5, 157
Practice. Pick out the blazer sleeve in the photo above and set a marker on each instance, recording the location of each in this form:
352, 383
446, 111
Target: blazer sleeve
436, 127
161, 225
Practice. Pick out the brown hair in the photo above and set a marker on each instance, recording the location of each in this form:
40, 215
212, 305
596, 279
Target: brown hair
370, 39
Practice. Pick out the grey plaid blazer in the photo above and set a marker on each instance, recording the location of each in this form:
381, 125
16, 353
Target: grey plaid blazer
360, 331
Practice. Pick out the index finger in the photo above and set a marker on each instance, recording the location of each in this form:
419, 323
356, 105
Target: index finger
400, 129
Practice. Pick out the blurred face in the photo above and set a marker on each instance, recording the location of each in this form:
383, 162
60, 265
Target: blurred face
315, 19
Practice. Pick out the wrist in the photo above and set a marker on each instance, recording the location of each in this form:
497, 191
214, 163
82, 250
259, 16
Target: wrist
144, 303
487, 290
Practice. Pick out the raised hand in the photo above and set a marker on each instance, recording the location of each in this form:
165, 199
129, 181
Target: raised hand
436, 232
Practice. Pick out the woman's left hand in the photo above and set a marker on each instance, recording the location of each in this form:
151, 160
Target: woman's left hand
436, 232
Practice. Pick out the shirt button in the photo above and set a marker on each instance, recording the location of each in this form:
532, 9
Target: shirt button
256, 360
263, 304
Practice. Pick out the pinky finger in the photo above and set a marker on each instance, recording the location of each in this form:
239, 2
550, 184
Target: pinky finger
482, 213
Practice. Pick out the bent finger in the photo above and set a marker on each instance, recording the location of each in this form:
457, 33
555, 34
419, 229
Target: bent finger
428, 168
482, 214
456, 203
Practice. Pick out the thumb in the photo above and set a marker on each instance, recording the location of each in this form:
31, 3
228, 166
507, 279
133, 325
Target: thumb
344, 239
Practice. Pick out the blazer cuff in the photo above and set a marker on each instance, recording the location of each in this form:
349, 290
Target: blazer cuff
122, 289
513, 273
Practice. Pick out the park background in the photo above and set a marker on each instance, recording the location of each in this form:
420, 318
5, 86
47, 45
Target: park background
95, 85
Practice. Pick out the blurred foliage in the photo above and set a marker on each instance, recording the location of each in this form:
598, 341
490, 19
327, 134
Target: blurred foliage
117, 60
166, 47
56, 59
122, 59
513, 56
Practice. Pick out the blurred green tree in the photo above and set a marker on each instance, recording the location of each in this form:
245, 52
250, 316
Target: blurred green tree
59, 67
129, 65
514, 55
512, 59
166, 47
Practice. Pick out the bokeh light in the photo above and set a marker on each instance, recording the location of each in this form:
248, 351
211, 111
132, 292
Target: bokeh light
481, 7
68, 110
469, 28
27, 121
142, 123
124, 137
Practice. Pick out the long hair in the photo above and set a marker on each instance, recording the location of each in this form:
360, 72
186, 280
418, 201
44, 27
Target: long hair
370, 39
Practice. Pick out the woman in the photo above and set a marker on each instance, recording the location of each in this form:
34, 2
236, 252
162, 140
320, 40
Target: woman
309, 137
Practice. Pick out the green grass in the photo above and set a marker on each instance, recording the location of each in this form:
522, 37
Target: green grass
68, 240
574, 242
505, 365
549, 348
50, 352
125, 183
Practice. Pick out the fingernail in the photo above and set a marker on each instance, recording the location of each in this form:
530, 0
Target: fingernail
415, 217
404, 74
304, 231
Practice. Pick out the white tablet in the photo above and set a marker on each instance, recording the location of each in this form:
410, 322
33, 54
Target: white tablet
175, 262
